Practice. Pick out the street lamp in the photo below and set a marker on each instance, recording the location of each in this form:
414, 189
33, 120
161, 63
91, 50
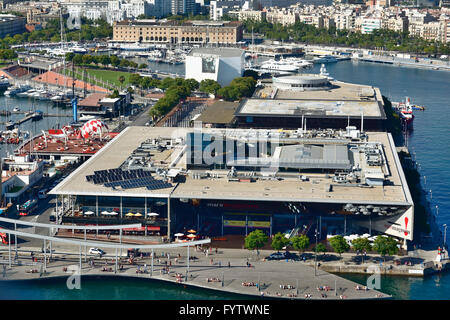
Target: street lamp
315, 256
445, 234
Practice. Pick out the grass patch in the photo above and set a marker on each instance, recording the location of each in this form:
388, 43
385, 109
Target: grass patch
109, 76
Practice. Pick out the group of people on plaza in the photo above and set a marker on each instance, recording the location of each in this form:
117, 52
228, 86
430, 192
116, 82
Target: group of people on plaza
286, 286
323, 288
248, 284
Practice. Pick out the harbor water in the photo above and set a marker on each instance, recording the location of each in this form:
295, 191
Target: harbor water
59, 116
428, 143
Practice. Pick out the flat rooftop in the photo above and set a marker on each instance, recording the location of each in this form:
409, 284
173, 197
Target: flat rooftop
223, 52
342, 100
220, 112
284, 186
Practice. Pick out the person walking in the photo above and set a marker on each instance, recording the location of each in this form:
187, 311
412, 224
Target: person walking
229, 265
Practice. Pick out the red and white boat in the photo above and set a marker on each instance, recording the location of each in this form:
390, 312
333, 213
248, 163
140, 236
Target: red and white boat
404, 110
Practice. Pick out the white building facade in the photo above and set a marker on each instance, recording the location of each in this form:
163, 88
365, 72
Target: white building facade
218, 64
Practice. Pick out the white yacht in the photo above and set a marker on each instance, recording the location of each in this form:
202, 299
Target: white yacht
301, 63
25, 94
16, 90
272, 65
324, 59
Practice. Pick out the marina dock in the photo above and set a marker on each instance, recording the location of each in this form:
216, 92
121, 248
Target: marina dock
401, 62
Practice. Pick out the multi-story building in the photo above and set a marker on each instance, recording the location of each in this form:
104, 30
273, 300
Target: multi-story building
369, 24
444, 34
284, 17
11, 25
197, 32
41, 15
315, 20
183, 7
254, 15
219, 8
345, 20
396, 23
160, 8
430, 31
118, 10
93, 10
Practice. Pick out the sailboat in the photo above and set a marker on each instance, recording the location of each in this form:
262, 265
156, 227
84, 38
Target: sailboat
9, 124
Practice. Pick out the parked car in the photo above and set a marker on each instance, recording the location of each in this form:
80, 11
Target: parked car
42, 194
98, 251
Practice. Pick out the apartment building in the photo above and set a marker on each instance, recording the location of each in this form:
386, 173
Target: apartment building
254, 15
314, 20
11, 25
284, 17
396, 23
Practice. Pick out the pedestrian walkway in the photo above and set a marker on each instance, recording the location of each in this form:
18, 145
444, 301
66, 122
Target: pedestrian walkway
230, 270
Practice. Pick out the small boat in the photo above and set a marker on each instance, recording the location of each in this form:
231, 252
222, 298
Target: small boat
37, 115
10, 125
16, 109
86, 117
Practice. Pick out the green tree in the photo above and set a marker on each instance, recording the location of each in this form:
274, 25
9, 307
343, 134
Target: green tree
77, 59
255, 240
87, 59
115, 61
339, 244
105, 60
70, 56
154, 113
192, 84
143, 66
361, 244
279, 241
124, 63
209, 86
121, 79
115, 94
135, 79
320, 248
300, 243
385, 245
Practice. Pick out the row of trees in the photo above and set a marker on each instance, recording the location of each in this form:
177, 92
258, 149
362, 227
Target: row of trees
7, 54
382, 38
238, 88
104, 60
383, 245
177, 90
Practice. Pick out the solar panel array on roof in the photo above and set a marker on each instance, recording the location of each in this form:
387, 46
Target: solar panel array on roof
127, 179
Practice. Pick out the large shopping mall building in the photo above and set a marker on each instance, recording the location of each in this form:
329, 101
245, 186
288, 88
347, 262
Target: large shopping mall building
233, 181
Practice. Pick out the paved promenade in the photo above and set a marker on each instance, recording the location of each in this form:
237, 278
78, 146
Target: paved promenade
276, 279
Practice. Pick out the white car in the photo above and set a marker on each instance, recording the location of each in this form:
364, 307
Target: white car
96, 251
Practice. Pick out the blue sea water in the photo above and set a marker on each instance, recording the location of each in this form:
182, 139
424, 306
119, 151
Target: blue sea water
429, 142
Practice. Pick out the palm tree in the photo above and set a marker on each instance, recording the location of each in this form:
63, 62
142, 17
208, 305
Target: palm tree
121, 80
